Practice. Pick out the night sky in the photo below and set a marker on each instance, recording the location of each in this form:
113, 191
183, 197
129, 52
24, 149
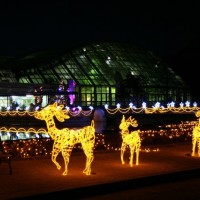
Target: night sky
170, 30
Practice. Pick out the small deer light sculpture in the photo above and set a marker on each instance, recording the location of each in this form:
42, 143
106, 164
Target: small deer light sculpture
65, 139
196, 136
131, 139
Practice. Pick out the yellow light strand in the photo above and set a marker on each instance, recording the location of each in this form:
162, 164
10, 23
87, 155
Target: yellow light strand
24, 130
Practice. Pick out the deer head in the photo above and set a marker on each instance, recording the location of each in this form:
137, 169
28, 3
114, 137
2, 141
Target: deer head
52, 110
126, 123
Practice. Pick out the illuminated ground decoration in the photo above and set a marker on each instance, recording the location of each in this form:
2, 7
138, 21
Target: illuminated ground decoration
131, 139
65, 139
196, 136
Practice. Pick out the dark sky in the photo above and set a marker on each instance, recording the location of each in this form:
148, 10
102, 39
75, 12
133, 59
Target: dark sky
170, 29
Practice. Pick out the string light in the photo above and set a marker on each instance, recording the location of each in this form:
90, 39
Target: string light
157, 108
39, 139
183, 131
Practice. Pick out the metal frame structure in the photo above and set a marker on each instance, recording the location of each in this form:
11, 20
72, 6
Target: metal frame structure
104, 73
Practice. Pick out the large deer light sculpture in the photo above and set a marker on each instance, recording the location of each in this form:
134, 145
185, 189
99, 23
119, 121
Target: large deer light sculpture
131, 139
196, 137
65, 139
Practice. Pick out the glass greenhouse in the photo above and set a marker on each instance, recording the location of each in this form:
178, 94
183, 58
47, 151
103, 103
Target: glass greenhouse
92, 75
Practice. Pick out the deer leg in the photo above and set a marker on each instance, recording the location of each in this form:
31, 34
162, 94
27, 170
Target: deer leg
54, 155
131, 155
198, 146
123, 148
137, 155
193, 147
66, 152
89, 159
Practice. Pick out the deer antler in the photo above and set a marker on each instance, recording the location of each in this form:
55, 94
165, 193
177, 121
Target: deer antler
61, 114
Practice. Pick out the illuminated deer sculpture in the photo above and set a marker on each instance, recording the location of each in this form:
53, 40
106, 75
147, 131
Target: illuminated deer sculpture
65, 139
131, 139
196, 137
